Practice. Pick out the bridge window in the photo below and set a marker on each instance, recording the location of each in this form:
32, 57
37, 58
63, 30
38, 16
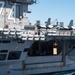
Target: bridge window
0, 41
6, 41
73, 46
3, 51
3, 56
0, 5
13, 55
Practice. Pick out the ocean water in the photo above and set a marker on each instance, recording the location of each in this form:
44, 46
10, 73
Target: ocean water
23, 73
61, 73
67, 73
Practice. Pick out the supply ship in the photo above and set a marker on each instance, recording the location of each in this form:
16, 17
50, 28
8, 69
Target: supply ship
33, 49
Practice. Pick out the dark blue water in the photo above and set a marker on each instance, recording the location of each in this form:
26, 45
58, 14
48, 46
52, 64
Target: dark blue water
60, 73
63, 73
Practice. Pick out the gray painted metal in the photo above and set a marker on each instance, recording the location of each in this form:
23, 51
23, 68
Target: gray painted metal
14, 16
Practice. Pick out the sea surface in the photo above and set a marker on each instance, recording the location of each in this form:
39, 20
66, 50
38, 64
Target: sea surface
22, 73
61, 73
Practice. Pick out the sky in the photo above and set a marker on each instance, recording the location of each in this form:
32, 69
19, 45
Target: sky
63, 10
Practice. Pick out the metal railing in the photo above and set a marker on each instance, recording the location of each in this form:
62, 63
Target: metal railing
13, 33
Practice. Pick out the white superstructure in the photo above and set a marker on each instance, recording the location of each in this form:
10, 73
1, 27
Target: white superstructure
26, 49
